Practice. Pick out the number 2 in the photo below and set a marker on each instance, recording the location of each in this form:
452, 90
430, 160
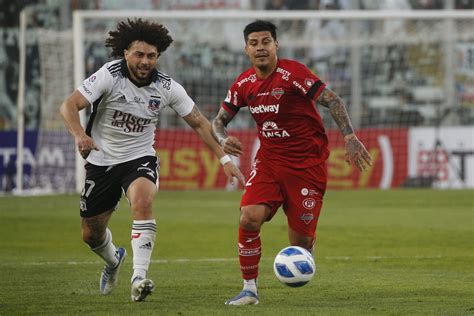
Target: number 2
253, 173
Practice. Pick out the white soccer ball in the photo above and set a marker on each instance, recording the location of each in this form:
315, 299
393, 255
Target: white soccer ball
294, 266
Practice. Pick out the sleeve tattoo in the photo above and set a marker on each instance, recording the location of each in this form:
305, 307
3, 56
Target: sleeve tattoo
219, 125
337, 109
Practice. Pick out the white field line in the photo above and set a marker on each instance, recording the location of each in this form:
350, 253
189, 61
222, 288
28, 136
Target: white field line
185, 260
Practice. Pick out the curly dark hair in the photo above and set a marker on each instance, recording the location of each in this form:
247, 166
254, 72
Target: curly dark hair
137, 30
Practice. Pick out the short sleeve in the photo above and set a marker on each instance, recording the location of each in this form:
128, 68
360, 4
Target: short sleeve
180, 101
307, 83
96, 85
234, 100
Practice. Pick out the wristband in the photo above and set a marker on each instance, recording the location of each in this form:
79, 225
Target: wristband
224, 159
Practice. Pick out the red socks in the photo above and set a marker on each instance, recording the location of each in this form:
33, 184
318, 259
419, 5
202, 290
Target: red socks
249, 253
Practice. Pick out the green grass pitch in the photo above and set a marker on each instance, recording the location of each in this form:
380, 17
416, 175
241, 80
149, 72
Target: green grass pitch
397, 252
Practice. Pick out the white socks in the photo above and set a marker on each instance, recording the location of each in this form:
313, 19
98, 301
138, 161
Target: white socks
143, 240
107, 250
250, 285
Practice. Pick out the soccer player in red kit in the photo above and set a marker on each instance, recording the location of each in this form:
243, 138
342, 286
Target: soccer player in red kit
289, 169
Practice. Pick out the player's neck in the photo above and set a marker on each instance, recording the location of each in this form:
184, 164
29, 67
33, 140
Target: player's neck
265, 72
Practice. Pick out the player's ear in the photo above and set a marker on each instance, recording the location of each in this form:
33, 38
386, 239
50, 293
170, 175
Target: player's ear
246, 50
277, 45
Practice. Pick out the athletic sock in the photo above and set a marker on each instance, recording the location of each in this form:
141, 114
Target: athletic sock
250, 285
107, 251
249, 253
143, 241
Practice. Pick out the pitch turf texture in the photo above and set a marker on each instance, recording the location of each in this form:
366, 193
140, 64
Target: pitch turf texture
397, 252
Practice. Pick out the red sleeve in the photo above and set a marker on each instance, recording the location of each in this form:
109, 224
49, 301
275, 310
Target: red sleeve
307, 83
234, 101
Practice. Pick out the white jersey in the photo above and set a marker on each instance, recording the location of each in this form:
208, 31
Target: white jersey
124, 114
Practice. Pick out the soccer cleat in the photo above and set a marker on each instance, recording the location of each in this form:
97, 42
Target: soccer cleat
109, 276
141, 288
245, 297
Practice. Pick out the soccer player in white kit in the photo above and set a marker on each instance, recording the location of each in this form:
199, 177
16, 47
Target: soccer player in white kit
127, 96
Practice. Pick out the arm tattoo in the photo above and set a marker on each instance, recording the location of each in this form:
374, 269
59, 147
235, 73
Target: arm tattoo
337, 109
219, 125
194, 117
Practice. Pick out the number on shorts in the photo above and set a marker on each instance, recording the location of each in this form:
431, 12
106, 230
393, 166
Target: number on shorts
89, 189
253, 173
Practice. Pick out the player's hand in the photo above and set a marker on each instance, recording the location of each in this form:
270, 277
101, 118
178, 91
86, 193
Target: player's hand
85, 144
232, 146
231, 171
356, 154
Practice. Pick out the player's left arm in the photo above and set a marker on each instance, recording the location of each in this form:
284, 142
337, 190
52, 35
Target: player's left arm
202, 127
356, 153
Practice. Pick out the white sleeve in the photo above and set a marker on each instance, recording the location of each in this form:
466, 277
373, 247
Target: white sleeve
180, 101
96, 85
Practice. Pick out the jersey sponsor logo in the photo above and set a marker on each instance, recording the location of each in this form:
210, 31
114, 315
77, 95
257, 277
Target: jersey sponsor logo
307, 218
310, 192
137, 100
89, 92
270, 130
297, 84
235, 99
228, 97
277, 93
285, 74
252, 78
271, 108
262, 94
309, 203
309, 82
129, 122
154, 104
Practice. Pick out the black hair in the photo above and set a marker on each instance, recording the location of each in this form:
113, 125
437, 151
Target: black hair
260, 26
137, 30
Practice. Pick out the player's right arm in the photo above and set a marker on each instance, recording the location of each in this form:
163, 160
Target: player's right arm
70, 112
230, 144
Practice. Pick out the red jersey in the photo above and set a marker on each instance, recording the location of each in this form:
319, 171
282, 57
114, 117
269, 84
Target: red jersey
290, 128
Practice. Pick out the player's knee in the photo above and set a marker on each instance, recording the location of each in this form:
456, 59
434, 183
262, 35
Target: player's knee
250, 219
141, 205
93, 239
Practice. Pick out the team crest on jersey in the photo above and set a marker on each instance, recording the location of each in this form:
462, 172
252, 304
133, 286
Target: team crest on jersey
154, 104
277, 93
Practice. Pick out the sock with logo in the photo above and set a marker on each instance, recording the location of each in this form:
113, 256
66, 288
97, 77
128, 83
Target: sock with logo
249, 253
107, 250
143, 240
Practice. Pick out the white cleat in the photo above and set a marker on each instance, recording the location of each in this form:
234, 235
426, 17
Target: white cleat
109, 277
141, 288
244, 298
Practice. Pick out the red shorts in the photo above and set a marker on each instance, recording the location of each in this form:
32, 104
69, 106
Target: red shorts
299, 191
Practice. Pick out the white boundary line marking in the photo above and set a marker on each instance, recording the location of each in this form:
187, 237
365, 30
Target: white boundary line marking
188, 260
